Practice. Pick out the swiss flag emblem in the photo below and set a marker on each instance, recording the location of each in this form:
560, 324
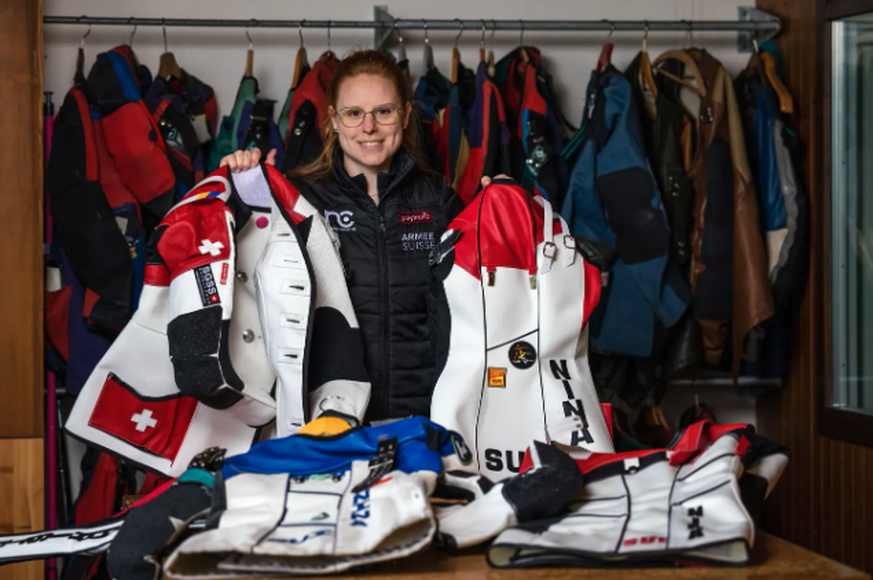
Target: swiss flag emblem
156, 425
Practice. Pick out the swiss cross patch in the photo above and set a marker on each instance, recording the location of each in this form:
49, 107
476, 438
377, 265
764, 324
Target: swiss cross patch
206, 285
158, 426
210, 247
416, 217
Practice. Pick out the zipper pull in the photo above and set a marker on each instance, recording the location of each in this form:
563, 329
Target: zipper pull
382, 224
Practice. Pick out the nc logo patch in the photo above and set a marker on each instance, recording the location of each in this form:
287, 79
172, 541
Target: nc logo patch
341, 221
522, 355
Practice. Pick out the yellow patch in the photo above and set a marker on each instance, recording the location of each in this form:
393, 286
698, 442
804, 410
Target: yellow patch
497, 377
325, 426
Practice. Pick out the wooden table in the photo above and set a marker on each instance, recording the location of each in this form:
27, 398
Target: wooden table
771, 558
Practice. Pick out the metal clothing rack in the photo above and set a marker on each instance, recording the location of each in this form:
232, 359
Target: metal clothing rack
752, 25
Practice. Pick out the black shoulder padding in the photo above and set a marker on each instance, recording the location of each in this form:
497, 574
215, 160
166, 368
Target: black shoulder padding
194, 340
547, 490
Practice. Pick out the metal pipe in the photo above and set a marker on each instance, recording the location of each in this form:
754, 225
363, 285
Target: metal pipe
446, 24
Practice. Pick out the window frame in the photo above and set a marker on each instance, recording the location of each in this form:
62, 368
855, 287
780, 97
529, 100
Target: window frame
839, 423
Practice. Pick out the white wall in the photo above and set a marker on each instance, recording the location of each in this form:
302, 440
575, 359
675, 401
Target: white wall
217, 56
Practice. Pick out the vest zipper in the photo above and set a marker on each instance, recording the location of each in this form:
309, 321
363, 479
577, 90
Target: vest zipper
383, 319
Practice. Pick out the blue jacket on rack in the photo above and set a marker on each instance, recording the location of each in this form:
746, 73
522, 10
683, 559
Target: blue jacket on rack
613, 199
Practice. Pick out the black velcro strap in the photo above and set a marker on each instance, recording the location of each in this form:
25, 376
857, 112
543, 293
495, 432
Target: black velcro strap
381, 464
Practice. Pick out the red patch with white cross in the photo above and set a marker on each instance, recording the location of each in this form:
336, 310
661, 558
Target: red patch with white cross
156, 425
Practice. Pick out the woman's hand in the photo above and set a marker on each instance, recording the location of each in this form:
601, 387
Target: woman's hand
242, 160
486, 181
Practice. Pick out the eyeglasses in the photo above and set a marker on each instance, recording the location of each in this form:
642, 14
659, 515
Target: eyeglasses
353, 117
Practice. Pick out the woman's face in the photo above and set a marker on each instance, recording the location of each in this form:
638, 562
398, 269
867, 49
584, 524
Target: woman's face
369, 147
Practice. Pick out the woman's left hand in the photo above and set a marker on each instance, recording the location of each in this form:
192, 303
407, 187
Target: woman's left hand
486, 181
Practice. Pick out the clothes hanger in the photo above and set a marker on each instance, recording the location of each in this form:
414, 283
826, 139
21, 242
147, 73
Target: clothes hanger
129, 42
646, 76
521, 51
482, 56
660, 419
168, 66
690, 65
456, 54
250, 55
428, 50
786, 103
401, 47
491, 69
605, 58
301, 62
79, 75
328, 55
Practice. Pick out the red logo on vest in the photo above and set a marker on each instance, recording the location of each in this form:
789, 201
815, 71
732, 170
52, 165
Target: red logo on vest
416, 217
158, 426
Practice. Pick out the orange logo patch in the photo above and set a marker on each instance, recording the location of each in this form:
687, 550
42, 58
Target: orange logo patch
497, 377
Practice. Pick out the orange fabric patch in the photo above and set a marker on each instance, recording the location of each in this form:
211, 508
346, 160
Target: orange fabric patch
497, 377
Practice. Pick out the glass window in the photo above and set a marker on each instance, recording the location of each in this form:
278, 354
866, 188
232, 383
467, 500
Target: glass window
852, 205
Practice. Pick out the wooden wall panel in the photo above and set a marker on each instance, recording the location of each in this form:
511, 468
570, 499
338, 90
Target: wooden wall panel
21, 509
21, 219
823, 501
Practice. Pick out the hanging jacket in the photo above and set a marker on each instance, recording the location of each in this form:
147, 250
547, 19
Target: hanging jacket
784, 212
453, 147
99, 199
284, 115
186, 113
83, 217
661, 136
105, 480
536, 137
455, 122
428, 126
613, 199
132, 138
732, 296
667, 136
385, 251
226, 142
307, 115
244, 318
257, 129
250, 124
487, 135
432, 97
432, 91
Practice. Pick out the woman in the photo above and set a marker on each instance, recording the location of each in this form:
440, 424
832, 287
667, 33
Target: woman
389, 213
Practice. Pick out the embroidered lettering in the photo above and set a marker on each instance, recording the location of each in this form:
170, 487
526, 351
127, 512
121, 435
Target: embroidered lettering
415, 217
417, 241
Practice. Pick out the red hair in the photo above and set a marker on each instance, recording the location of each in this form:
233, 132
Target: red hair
362, 62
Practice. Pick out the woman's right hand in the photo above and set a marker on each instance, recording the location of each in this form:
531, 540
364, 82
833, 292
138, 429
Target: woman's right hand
242, 160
